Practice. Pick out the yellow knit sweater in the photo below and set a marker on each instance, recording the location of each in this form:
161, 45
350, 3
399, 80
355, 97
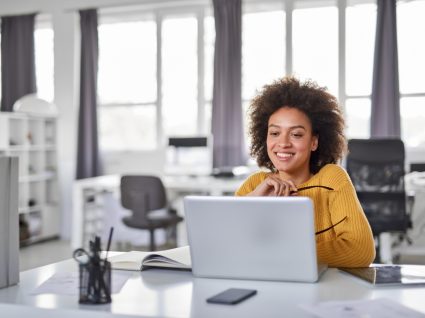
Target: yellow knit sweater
348, 243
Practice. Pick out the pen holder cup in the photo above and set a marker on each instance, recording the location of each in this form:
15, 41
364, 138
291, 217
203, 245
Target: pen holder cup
95, 282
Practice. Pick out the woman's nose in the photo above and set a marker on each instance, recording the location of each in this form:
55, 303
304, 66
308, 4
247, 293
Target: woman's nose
284, 141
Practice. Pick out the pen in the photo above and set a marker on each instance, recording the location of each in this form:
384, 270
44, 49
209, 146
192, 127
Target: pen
111, 231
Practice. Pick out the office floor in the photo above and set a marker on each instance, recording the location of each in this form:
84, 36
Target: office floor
44, 253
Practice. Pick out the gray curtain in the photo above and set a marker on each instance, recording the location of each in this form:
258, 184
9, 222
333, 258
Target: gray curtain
88, 161
227, 126
385, 118
17, 59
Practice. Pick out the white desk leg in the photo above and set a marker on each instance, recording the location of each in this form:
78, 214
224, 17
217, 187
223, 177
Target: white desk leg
385, 248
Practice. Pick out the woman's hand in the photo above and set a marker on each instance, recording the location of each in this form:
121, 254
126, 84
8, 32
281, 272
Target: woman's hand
274, 186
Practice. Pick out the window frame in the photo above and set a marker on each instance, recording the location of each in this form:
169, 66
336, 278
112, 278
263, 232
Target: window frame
203, 9
45, 21
159, 14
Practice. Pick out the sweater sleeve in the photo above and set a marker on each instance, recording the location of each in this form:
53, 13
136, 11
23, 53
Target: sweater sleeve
353, 243
250, 183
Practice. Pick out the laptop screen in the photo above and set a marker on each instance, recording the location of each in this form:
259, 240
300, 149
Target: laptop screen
267, 238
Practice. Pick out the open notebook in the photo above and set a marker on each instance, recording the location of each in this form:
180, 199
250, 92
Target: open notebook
176, 258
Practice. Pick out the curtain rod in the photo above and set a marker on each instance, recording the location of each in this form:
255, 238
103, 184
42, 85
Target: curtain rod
35, 12
150, 4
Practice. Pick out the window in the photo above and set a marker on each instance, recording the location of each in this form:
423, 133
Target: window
156, 89
209, 42
315, 51
315, 44
359, 49
411, 69
127, 85
44, 58
127, 64
412, 111
357, 111
360, 46
179, 75
163, 82
127, 127
263, 51
263, 57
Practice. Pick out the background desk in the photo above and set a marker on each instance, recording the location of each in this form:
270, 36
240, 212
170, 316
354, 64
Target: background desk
166, 293
86, 193
415, 186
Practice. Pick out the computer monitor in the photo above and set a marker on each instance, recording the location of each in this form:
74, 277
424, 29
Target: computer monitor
185, 142
190, 155
417, 166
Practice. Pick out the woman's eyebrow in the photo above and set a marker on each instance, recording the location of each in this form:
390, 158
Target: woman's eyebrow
274, 126
297, 126
292, 127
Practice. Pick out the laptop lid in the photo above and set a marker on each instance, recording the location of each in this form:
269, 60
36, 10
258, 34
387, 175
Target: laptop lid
266, 238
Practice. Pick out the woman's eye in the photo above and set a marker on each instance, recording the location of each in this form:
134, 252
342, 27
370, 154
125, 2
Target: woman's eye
273, 133
297, 135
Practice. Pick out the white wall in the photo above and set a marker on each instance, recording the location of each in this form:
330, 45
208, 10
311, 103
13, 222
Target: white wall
133, 162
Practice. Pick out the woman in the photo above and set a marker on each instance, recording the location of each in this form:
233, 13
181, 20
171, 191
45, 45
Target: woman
297, 132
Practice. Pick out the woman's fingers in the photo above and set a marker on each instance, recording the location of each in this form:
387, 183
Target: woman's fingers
293, 187
281, 187
274, 186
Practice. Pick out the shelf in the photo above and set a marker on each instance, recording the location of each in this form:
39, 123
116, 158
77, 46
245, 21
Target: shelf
22, 148
18, 148
38, 177
37, 208
32, 138
30, 209
46, 147
37, 239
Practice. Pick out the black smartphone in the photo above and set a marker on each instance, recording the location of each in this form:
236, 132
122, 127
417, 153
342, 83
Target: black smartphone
231, 296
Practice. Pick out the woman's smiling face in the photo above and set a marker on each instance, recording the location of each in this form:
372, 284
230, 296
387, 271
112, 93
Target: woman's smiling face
290, 141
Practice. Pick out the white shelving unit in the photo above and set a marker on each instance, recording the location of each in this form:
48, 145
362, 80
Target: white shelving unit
32, 138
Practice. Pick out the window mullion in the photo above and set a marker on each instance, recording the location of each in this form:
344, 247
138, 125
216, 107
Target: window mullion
201, 74
159, 120
342, 4
289, 8
412, 95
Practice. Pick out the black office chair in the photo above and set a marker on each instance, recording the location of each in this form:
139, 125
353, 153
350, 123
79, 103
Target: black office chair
376, 168
142, 195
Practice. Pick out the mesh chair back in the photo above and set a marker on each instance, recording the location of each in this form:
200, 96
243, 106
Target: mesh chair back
142, 193
376, 168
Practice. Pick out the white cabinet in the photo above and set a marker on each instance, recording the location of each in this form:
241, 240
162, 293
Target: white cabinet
32, 138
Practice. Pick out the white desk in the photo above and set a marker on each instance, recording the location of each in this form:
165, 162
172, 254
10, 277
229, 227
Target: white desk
415, 183
176, 187
166, 293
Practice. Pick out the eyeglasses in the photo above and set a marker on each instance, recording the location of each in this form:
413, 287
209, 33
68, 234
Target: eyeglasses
327, 188
330, 227
310, 187
315, 186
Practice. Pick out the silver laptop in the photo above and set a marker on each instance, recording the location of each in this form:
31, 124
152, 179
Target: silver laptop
265, 238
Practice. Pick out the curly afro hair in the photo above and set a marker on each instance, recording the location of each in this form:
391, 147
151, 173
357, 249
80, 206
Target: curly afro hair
321, 108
